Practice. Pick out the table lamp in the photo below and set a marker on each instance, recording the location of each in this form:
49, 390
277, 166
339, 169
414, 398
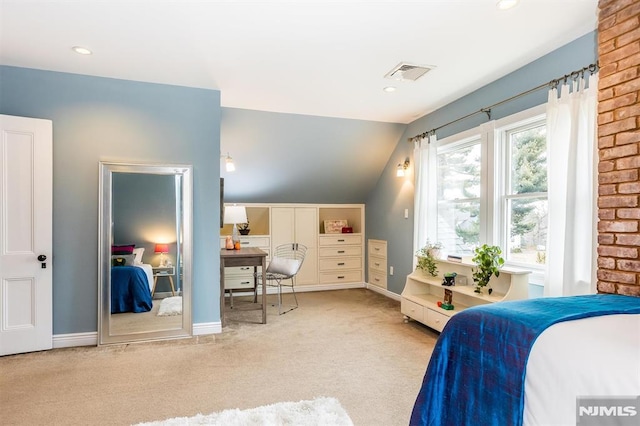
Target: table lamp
235, 215
162, 249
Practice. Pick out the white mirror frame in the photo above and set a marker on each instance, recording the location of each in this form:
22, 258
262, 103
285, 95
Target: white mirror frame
105, 219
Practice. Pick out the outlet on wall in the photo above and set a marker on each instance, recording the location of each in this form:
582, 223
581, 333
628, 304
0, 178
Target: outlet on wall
390, 270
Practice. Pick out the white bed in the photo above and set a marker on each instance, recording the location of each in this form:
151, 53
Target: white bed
148, 269
597, 356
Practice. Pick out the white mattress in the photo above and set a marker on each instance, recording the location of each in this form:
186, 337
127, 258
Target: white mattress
598, 356
149, 271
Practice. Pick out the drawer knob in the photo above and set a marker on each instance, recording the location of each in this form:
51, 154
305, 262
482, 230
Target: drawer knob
377, 264
340, 277
340, 263
340, 240
340, 251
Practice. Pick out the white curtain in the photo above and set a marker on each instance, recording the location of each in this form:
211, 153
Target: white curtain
424, 158
571, 154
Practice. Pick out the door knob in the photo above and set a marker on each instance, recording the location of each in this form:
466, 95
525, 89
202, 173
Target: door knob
42, 258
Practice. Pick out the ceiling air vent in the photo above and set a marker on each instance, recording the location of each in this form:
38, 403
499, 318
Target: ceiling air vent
407, 72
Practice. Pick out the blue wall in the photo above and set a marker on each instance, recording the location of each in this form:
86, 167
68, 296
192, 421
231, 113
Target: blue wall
115, 120
292, 158
280, 158
386, 203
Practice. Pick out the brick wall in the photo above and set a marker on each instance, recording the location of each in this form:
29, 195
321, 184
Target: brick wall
619, 147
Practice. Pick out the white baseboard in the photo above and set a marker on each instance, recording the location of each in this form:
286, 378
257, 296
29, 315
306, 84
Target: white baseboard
384, 292
75, 339
203, 328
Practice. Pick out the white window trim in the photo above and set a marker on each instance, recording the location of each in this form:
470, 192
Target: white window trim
492, 178
520, 119
451, 143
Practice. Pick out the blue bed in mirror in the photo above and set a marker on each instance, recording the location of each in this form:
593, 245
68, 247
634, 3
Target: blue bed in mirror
130, 290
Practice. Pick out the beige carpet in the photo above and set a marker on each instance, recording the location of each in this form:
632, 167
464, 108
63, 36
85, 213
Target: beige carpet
351, 345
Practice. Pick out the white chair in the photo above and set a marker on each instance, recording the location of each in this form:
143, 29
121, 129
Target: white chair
285, 263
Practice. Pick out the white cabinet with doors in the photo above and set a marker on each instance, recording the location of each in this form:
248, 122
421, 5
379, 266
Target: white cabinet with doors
331, 259
297, 224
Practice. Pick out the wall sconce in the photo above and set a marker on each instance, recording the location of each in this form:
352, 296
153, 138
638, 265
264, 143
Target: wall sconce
402, 168
162, 249
228, 162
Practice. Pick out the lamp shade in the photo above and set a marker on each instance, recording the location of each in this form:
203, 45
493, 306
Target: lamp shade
235, 214
162, 248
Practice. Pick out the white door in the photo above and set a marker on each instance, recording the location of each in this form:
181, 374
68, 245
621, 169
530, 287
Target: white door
298, 225
25, 234
306, 231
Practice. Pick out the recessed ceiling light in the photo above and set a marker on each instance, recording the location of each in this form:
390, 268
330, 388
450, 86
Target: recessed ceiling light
389, 89
506, 4
81, 50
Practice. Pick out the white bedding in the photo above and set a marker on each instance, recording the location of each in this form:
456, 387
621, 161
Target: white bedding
149, 271
597, 356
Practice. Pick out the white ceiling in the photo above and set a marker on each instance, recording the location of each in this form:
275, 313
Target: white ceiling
314, 57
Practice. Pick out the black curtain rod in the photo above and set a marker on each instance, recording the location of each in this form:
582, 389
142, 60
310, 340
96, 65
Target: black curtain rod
592, 68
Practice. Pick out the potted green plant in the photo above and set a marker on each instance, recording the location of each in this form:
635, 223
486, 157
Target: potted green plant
243, 228
427, 256
488, 261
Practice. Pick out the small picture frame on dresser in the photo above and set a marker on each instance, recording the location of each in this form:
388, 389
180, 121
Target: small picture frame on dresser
334, 226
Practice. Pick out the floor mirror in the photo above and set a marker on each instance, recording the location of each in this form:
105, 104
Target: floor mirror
145, 252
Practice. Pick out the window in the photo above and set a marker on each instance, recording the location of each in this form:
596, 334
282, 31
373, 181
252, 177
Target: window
524, 200
491, 187
458, 196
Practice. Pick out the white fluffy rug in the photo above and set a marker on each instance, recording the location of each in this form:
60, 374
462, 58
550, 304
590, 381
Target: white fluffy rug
170, 306
317, 412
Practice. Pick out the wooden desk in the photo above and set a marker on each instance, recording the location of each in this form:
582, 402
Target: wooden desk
249, 256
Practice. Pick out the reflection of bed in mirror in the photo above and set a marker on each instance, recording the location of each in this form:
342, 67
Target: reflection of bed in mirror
131, 288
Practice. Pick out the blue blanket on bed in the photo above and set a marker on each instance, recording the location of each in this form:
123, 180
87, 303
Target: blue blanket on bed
129, 290
477, 370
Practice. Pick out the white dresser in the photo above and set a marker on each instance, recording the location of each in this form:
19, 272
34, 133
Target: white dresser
377, 261
340, 258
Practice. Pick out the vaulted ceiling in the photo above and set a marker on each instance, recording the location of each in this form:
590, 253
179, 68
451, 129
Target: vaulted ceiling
314, 57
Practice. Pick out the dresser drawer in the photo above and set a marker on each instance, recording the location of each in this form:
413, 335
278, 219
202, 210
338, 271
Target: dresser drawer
377, 248
329, 264
378, 264
341, 251
340, 240
340, 277
235, 283
412, 310
377, 278
232, 271
435, 320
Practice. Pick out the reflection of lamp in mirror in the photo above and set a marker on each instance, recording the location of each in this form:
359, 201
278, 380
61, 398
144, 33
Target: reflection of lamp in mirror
162, 249
234, 215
